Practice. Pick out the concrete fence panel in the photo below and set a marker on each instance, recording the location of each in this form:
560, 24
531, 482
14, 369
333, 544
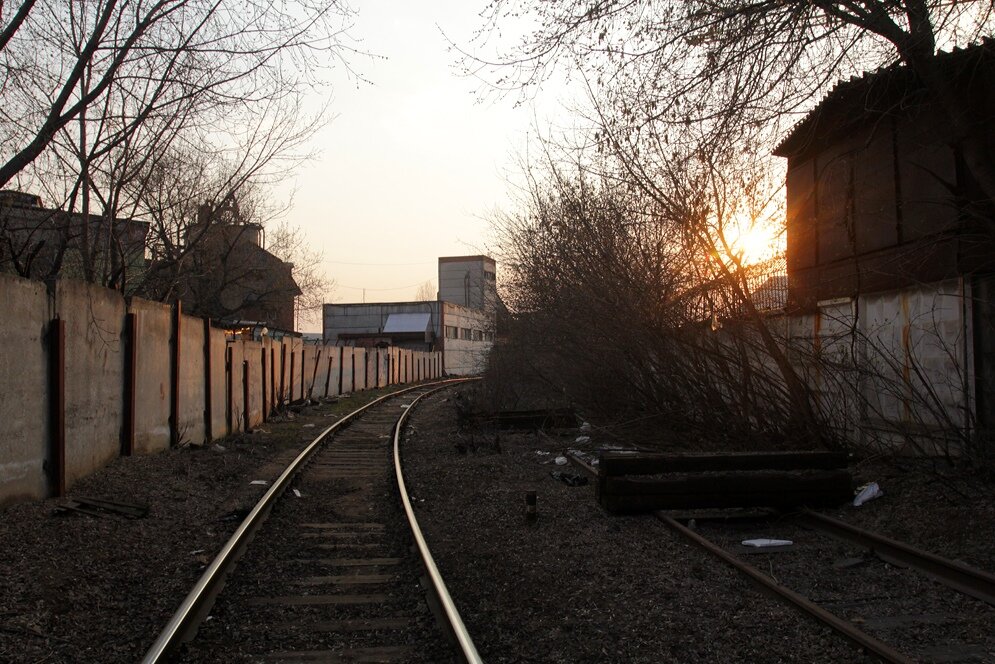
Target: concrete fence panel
24, 379
153, 326
94, 375
192, 384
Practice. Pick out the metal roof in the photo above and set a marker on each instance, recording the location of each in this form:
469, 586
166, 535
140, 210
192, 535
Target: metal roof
397, 323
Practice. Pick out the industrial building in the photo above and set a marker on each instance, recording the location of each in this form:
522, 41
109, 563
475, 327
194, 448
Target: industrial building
461, 321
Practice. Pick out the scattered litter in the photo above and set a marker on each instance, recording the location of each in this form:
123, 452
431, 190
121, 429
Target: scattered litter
583, 439
307, 426
586, 426
763, 542
847, 563
542, 453
405, 405
259, 431
867, 493
297, 492
194, 553
569, 479
220, 448
262, 482
560, 461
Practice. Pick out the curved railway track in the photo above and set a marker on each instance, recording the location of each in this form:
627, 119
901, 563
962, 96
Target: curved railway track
331, 575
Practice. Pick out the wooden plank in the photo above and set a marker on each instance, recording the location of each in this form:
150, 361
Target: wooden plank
349, 580
352, 562
316, 600
759, 482
644, 463
377, 655
354, 625
632, 504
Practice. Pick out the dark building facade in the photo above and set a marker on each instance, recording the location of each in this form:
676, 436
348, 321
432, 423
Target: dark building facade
878, 195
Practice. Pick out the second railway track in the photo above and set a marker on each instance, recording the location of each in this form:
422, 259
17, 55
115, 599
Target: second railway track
331, 575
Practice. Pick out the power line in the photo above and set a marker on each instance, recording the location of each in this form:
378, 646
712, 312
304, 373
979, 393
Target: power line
338, 285
380, 264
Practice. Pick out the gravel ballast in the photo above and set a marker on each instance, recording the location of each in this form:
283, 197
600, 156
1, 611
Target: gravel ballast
578, 585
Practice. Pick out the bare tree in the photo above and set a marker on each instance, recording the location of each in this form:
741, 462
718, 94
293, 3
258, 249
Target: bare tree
292, 246
425, 292
125, 63
729, 67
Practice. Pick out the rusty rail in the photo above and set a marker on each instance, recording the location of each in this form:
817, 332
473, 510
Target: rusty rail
968, 580
860, 638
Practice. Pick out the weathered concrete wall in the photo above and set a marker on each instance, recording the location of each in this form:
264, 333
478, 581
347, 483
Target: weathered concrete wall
95, 379
894, 369
192, 384
94, 375
24, 431
153, 330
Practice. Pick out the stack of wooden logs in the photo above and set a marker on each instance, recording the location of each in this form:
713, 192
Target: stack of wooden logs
630, 482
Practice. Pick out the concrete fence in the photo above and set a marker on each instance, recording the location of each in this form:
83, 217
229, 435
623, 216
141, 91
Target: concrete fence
88, 375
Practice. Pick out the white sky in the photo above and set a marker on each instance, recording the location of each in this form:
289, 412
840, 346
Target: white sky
411, 165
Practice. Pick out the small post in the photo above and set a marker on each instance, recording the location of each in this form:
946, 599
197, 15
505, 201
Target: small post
328, 375
531, 514
57, 406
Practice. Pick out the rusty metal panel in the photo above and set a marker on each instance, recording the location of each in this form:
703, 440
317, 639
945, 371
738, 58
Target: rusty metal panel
927, 174
801, 214
875, 204
834, 204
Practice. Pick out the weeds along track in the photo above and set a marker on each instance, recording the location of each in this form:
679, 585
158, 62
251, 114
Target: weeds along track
327, 570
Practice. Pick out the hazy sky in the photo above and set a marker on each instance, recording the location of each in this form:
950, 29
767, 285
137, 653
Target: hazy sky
412, 163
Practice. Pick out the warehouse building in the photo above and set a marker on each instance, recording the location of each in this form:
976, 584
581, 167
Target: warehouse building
460, 321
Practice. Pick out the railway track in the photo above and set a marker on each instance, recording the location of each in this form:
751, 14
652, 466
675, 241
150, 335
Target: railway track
896, 603
331, 574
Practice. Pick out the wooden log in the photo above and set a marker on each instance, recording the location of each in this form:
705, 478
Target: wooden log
643, 463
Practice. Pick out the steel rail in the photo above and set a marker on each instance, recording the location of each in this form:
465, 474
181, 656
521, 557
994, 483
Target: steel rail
860, 638
455, 622
193, 608
968, 580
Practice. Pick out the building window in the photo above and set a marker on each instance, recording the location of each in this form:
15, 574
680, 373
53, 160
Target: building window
464, 333
478, 335
488, 336
451, 332
489, 276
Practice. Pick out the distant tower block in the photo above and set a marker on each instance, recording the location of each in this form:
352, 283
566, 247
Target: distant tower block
469, 281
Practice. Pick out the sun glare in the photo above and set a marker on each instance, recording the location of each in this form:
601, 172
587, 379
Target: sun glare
756, 244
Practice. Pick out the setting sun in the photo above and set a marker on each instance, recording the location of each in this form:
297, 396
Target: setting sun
755, 243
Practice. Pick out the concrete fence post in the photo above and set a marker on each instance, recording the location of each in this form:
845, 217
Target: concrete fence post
341, 366
208, 402
130, 383
245, 396
328, 373
262, 382
229, 389
174, 377
283, 373
57, 406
